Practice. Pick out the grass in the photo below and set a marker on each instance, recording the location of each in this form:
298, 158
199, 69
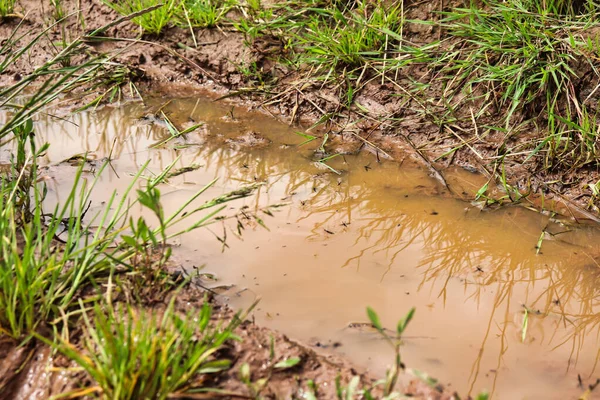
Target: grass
40, 272
37, 284
158, 14
518, 56
7, 7
143, 354
48, 258
205, 13
53, 78
330, 37
350, 37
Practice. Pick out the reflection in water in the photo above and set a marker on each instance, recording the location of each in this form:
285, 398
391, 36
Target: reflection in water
383, 235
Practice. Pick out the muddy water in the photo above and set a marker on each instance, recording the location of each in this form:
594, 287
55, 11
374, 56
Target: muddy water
384, 235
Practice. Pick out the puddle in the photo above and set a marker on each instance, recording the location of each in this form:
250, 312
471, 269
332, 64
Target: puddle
384, 235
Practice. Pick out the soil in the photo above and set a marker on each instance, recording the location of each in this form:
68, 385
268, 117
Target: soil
173, 65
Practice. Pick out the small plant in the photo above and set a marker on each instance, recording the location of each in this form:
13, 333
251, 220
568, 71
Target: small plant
349, 38
136, 354
205, 13
7, 7
395, 341
159, 14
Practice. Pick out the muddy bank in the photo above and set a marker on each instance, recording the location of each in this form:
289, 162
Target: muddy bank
379, 120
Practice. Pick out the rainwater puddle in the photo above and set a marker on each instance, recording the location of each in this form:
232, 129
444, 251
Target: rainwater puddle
384, 235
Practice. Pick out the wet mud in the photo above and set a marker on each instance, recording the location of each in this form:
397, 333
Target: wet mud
174, 62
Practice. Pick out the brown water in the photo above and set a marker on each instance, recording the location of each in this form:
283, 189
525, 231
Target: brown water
384, 235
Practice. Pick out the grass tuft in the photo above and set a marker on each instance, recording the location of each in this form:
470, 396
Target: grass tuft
350, 37
152, 22
140, 354
7, 7
205, 13
520, 61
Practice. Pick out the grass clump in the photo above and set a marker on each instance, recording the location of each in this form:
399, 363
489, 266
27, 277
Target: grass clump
47, 259
521, 60
39, 278
7, 7
141, 354
206, 13
328, 41
155, 14
351, 37
328, 35
512, 52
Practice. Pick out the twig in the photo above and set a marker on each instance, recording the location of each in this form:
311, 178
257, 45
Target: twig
437, 174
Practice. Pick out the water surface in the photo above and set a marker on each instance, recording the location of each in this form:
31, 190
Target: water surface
361, 233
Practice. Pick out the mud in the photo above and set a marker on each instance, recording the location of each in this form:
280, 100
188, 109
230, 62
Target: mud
172, 62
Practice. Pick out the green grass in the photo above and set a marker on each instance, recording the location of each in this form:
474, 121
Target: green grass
158, 16
40, 277
518, 61
7, 7
331, 37
349, 38
47, 259
141, 354
205, 13
53, 78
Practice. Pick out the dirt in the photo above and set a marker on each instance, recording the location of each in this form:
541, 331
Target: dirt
172, 63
